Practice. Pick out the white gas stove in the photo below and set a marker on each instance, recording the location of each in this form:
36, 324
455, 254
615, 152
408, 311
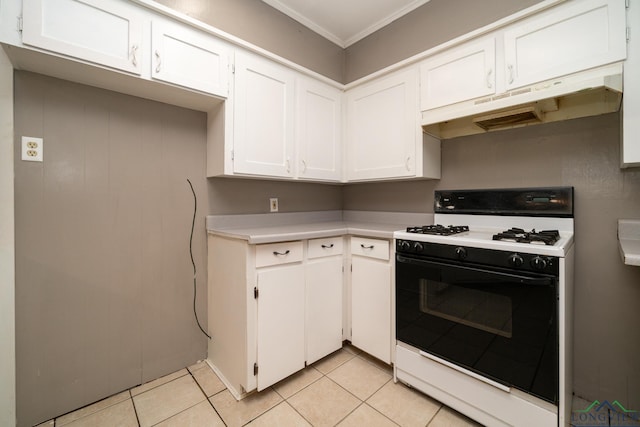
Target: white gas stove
483, 228
484, 304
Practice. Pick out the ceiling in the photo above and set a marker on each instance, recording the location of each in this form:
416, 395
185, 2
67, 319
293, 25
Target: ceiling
344, 22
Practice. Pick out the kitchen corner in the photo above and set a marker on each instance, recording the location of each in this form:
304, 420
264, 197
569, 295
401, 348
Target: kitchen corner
305, 282
282, 227
629, 241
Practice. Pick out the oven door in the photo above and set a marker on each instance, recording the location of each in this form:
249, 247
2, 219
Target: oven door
496, 323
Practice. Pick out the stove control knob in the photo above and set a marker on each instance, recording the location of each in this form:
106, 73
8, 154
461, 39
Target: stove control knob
461, 253
539, 263
515, 260
404, 245
418, 247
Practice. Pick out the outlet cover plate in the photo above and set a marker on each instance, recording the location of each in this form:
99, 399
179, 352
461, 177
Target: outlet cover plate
32, 149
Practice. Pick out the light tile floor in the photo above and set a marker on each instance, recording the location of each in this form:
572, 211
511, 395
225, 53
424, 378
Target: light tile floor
346, 388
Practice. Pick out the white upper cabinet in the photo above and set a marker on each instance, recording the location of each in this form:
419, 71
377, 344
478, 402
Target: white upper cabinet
263, 124
384, 138
459, 74
189, 58
107, 33
572, 37
318, 130
564, 40
630, 138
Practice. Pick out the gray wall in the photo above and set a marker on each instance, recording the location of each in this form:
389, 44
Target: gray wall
104, 282
582, 153
230, 196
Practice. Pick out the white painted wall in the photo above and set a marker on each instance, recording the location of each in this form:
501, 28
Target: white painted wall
7, 254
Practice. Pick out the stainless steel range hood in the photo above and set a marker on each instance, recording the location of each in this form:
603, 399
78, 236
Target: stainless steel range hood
589, 93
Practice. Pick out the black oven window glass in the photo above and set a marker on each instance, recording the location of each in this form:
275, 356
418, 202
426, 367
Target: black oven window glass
485, 311
501, 326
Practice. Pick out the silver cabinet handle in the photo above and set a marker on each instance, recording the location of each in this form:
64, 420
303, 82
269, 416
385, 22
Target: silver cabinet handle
158, 61
363, 246
327, 246
489, 83
510, 68
276, 253
304, 166
407, 163
134, 51
288, 166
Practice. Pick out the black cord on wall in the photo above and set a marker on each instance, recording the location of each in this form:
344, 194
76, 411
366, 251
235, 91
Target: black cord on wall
193, 223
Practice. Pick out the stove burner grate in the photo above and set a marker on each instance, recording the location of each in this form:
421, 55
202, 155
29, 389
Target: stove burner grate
548, 237
438, 229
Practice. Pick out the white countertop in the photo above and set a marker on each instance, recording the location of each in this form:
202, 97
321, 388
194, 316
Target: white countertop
629, 239
270, 228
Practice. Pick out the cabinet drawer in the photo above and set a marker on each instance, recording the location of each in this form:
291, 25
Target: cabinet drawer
278, 253
372, 248
325, 247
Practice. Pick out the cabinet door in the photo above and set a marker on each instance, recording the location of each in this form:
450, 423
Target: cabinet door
319, 131
106, 33
323, 307
371, 306
263, 130
383, 128
573, 37
461, 74
190, 58
280, 327
630, 148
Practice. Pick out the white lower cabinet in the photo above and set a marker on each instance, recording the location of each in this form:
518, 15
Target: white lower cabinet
280, 328
324, 284
371, 324
272, 308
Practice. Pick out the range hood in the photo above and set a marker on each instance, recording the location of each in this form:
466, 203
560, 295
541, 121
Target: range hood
589, 93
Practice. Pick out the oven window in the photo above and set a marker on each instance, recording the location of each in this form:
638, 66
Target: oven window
498, 324
478, 309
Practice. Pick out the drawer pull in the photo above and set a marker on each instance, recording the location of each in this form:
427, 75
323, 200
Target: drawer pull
276, 253
363, 246
327, 246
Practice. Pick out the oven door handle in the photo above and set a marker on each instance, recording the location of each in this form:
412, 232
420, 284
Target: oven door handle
523, 279
465, 371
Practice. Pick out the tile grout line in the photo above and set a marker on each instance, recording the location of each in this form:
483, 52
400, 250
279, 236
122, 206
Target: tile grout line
362, 401
435, 415
135, 411
205, 393
293, 407
326, 375
56, 420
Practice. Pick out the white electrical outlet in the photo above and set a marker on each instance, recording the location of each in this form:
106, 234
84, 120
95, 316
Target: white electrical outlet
32, 149
273, 204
